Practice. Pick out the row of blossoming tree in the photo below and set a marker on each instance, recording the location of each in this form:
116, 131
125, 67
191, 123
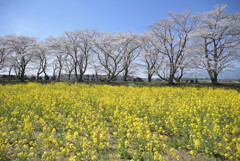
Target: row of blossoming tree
174, 46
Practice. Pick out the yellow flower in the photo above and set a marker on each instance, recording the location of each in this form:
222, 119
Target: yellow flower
192, 152
20, 154
94, 157
197, 144
31, 154
102, 117
228, 148
226, 155
72, 158
178, 157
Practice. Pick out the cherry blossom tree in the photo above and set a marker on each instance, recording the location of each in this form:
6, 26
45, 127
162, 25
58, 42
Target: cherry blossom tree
8, 62
41, 55
58, 51
217, 41
151, 59
95, 65
171, 37
129, 45
69, 67
187, 66
110, 54
78, 45
55, 67
4, 52
21, 48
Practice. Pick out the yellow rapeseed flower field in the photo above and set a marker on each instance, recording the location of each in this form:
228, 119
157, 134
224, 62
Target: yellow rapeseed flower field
101, 122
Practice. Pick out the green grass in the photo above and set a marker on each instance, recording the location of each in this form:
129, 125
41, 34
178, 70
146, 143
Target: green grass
138, 84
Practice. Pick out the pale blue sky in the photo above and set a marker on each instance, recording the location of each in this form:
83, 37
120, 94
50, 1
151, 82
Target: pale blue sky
44, 18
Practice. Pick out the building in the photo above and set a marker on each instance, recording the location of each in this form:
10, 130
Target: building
92, 77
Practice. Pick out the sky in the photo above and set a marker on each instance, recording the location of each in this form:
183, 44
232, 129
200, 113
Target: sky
45, 18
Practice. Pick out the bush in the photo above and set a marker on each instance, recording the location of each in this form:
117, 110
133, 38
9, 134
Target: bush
53, 77
32, 78
46, 77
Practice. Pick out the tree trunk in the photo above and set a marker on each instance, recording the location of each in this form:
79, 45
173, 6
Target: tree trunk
75, 71
125, 75
69, 75
9, 74
149, 78
214, 79
96, 76
213, 76
80, 78
22, 75
178, 80
59, 74
170, 79
110, 78
37, 79
45, 76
